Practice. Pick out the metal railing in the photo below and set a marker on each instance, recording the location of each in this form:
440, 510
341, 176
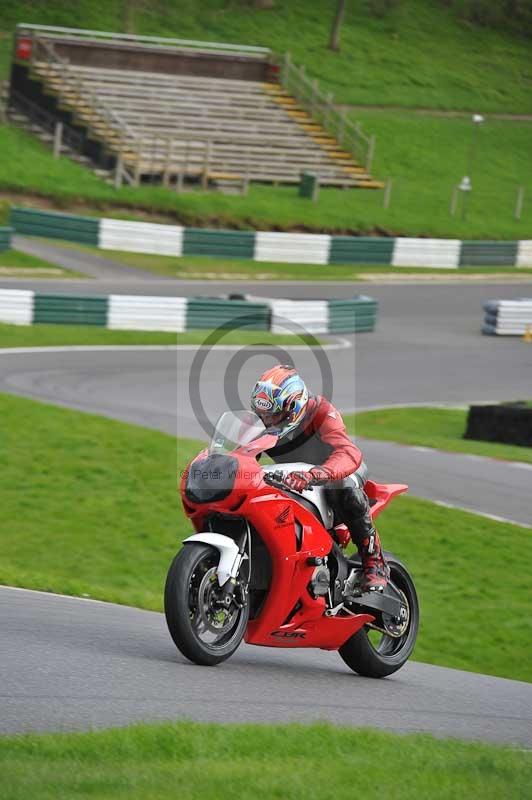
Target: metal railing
81, 34
4, 99
48, 122
320, 106
99, 112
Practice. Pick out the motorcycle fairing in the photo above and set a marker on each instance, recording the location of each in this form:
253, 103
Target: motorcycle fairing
381, 494
315, 495
225, 546
290, 616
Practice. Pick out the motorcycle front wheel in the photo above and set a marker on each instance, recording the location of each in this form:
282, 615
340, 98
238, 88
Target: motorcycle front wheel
203, 630
374, 654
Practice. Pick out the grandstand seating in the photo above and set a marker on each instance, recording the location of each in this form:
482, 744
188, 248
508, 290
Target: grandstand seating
172, 127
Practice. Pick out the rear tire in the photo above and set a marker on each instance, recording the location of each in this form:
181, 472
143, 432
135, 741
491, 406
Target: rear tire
185, 572
390, 654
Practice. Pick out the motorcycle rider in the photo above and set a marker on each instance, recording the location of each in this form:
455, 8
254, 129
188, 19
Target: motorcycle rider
311, 429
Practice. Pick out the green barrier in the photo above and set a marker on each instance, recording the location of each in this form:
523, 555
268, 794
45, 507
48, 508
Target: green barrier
69, 227
486, 254
70, 309
5, 238
234, 244
352, 316
361, 250
210, 312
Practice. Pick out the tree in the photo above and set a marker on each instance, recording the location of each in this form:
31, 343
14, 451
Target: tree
334, 41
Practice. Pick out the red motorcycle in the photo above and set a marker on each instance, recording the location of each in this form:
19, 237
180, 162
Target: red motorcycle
266, 564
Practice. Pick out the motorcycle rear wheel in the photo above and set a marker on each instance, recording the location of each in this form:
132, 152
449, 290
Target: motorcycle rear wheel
192, 616
379, 659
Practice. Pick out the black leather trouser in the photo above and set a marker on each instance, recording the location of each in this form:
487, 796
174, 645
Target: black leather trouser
351, 506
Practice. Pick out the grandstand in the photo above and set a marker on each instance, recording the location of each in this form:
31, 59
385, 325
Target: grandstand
172, 111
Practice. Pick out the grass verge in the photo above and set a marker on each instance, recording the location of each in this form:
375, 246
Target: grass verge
425, 156
441, 428
220, 269
274, 761
18, 265
89, 506
48, 335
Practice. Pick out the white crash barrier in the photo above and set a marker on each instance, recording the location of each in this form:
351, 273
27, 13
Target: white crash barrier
292, 248
16, 306
443, 253
141, 237
508, 317
135, 312
298, 316
524, 253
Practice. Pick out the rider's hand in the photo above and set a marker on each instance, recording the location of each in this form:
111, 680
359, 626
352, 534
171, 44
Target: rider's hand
299, 481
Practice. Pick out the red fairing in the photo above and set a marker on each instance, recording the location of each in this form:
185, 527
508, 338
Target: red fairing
327, 423
290, 615
273, 515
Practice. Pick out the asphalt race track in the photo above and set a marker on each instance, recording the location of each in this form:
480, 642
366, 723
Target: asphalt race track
70, 664
73, 665
427, 349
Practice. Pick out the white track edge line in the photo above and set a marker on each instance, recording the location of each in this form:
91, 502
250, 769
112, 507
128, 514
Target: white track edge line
484, 514
74, 597
340, 344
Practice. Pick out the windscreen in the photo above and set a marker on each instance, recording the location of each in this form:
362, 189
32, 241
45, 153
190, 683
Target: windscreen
235, 428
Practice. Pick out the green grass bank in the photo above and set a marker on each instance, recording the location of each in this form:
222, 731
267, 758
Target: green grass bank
16, 264
90, 507
275, 761
48, 335
419, 54
425, 156
237, 269
441, 428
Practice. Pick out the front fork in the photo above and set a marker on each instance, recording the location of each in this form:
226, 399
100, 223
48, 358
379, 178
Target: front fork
227, 594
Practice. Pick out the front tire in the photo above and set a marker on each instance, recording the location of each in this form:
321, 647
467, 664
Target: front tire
377, 659
191, 614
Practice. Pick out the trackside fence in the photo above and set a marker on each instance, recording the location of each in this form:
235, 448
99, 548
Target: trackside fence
300, 248
180, 314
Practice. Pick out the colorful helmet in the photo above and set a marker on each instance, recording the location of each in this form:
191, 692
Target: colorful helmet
280, 399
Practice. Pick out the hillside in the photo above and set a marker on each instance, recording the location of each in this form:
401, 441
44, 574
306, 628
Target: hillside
425, 155
419, 55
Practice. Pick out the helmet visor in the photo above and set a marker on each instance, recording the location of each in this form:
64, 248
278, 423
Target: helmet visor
272, 420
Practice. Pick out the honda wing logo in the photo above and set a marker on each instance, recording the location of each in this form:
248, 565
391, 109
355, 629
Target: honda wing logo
283, 518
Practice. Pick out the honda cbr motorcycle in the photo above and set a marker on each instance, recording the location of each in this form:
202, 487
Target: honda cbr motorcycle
266, 564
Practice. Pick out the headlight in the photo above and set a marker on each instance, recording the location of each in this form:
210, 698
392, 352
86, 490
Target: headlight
212, 478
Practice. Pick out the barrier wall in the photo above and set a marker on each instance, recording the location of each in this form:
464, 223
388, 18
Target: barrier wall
295, 248
178, 314
5, 238
508, 317
145, 237
71, 228
132, 312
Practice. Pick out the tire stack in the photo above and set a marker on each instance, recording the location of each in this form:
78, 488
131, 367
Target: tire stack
508, 317
507, 423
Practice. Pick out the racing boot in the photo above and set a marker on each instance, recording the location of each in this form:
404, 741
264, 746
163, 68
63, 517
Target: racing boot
376, 571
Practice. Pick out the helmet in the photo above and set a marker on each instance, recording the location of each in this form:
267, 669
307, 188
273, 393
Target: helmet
280, 399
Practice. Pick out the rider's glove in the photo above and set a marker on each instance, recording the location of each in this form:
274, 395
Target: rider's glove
299, 481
